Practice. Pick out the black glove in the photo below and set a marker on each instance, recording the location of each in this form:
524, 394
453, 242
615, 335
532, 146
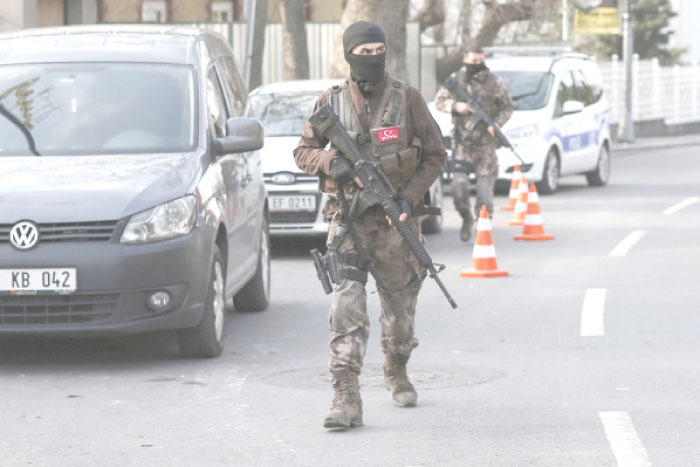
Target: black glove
405, 207
342, 170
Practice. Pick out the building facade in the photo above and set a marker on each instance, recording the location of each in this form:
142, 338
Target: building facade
20, 14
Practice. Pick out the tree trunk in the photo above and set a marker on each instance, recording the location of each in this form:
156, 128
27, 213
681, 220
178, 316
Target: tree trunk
495, 16
391, 16
256, 43
296, 51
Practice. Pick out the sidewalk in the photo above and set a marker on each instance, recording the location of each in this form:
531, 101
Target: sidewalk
641, 144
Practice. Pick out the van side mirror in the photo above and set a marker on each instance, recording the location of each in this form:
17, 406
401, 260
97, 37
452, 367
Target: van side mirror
242, 135
572, 107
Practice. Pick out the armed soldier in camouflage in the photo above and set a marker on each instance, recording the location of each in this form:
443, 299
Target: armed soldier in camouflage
389, 120
474, 146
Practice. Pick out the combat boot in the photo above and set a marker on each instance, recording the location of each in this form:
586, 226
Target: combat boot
346, 410
465, 233
396, 380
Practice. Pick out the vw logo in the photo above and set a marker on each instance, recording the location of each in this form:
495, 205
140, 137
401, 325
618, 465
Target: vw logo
24, 235
283, 178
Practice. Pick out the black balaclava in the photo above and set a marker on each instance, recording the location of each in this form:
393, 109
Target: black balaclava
474, 68
364, 69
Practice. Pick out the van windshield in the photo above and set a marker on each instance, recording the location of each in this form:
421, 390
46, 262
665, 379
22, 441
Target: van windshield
98, 108
284, 113
529, 90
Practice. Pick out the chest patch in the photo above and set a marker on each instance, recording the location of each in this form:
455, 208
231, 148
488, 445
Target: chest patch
388, 134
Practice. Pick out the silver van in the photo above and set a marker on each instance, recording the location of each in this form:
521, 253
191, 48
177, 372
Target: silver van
131, 191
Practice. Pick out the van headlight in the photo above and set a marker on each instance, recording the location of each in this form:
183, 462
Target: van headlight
168, 220
523, 132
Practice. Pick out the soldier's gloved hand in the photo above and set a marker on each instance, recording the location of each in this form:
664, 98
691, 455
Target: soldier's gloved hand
342, 171
405, 208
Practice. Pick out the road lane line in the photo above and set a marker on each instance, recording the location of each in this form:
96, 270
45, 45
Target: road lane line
592, 315
625, 245
683, 204
623, 439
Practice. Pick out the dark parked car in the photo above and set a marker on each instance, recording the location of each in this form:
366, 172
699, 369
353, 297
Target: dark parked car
131, 191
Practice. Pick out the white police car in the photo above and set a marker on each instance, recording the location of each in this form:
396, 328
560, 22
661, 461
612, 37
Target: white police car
560, 125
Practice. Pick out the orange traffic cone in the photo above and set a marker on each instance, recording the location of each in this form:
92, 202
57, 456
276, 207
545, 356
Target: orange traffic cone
533, 228
521, 205
513, 193
484, 257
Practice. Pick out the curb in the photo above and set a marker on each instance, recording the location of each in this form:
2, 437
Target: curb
662, 143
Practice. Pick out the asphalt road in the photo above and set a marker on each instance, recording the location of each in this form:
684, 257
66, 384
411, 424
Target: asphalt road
505, 380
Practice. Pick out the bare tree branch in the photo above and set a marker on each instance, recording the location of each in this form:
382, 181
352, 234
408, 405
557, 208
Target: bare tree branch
431, 14
495, 17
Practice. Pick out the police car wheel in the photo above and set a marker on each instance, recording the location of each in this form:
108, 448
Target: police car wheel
601, 174
550, 175
432, 224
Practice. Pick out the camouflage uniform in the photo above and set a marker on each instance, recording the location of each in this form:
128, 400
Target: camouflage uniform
476, 149
396, 267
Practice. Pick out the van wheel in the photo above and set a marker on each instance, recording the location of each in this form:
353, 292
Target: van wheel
205, 339
601, 174
550, 176
255, 295
433, 224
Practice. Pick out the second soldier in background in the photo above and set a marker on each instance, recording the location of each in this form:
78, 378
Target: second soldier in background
474, 145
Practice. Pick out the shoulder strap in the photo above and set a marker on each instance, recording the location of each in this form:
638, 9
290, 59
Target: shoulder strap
342, 106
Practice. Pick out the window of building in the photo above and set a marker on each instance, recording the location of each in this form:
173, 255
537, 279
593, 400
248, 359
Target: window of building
223, 11
154, 11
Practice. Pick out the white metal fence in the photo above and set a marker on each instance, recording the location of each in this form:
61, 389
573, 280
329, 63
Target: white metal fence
668, 93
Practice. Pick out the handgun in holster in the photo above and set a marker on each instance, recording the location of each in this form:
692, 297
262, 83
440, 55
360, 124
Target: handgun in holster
322, 270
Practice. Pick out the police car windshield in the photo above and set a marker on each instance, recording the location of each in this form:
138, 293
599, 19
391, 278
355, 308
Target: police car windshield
529, 90
284, 113
98, 108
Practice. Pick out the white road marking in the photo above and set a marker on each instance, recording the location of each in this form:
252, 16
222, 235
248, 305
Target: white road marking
683, 204
625, 245
623, 439
592, 315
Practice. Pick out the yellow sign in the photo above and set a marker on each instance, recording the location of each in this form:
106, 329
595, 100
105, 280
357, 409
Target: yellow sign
597, 21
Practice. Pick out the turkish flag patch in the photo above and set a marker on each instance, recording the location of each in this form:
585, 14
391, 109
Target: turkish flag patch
388, 134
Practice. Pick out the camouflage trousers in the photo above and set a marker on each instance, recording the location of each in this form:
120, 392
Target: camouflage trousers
396, 267
482, 159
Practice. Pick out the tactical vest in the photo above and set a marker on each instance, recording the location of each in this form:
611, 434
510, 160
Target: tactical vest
387, 140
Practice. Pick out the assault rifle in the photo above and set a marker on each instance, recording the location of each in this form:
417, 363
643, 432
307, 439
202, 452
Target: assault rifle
480, 115
376, 187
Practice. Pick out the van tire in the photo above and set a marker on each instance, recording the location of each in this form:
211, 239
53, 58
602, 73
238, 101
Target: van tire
255, 295
206, 339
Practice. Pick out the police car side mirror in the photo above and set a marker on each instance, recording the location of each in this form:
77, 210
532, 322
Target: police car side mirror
242, 135
572, 107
